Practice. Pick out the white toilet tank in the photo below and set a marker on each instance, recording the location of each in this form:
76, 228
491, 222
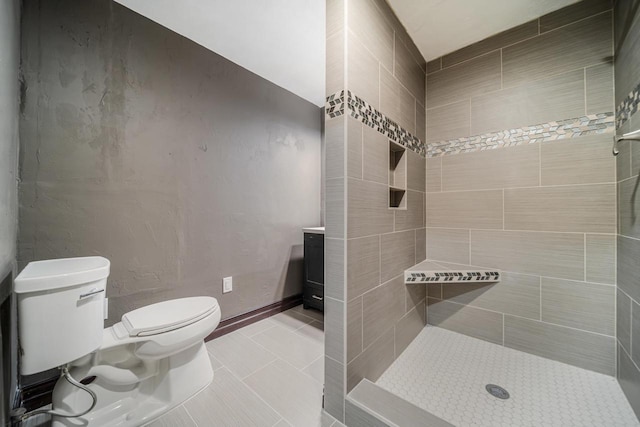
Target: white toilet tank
60, 311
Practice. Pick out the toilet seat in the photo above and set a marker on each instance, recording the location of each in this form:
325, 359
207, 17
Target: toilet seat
167, 316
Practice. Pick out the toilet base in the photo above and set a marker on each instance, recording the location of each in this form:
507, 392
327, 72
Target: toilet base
177, 378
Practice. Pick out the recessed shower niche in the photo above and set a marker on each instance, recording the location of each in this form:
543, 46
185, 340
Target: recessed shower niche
397, 176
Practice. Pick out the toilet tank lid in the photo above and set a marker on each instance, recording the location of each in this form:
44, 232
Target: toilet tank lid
60, 273
168, 315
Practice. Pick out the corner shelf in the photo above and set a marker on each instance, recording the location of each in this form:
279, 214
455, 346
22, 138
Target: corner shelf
397, 176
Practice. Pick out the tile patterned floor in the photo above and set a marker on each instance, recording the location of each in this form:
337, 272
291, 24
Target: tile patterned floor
445, 373
268, 374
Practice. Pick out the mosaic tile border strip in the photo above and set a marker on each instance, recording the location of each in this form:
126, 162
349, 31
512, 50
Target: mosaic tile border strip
562, 129
452, 276
628, 106
364, 112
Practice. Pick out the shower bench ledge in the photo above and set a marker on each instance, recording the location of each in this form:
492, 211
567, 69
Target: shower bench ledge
430, 271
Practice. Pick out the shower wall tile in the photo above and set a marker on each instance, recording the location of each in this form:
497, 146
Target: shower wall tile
413, 216
421, 120
363, 265
572, 13
354, 328
409, 326
629, 378
584, 160
368, 212
492, 169
578, 45
434, 290
375, 156
334, 79
627, 61
580, 208
623, 160
464, 319
354, 147
363, 72
334, 18
334, 199
474, 77
583, 349
415, 294
368, 23
579, 305
559, 255
434, 174
599, 88
334, 268
628, 254
334, 374
635, 332
465, 209
446, 244
416, 170
382, 307
516, 294
373, 361
505, 38
449, 121
601, 258
629, 205
397, 253
397, 102
408, 71
421, 245
623, 320
434, 65
334, 148
334, 328
540, 101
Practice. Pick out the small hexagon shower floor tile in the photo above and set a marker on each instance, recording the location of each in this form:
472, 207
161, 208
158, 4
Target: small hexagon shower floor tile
446, 373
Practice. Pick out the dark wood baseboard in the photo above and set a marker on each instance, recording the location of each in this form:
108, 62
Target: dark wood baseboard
36, 396
241, 320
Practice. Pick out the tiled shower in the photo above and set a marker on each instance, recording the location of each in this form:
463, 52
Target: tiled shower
509, 166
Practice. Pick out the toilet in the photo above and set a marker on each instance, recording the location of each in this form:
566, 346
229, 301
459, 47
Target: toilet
143, 366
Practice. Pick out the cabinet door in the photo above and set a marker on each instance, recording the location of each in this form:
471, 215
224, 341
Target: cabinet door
314, 257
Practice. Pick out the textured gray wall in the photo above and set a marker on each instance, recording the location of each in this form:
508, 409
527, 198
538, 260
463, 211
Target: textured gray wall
176, 164
9, 61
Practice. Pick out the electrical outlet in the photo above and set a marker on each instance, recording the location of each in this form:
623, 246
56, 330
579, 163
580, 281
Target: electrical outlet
227, 284
106, 308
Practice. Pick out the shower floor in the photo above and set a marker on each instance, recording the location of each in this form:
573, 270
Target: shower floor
446, 373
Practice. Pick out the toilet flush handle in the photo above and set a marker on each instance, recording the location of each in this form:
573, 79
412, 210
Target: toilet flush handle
92, 292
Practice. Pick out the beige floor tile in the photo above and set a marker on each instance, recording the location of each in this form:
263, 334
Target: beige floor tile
291, 319
178, 417
239, 354
314, 331
309, 312
295, 348
215, 363
294, 395
256, 328
230, 402
316, 370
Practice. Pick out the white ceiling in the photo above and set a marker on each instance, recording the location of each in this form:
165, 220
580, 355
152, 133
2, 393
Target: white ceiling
280, 40
439, 27
283, 40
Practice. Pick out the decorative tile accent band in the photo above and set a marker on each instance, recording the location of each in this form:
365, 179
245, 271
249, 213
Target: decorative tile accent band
362, 111
628, 106
561, 129
452, 276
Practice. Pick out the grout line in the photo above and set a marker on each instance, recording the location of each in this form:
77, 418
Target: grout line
528, 187
189, 414
540, 289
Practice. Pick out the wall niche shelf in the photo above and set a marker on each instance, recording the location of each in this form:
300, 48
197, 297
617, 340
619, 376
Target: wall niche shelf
430, 271
397, 176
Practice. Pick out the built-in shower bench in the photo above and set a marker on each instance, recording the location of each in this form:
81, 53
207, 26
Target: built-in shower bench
430, 271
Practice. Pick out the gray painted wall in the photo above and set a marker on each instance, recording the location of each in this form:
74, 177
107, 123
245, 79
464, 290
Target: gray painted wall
9, 62
176, 164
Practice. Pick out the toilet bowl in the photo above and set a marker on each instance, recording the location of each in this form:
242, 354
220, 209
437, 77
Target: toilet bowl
143, 366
